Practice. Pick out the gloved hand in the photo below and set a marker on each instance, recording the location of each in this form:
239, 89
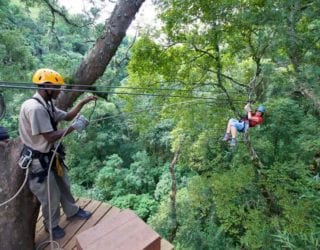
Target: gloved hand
80, 123
247, 108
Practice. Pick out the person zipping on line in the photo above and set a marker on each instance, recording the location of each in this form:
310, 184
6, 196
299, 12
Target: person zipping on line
38, 131
252, 119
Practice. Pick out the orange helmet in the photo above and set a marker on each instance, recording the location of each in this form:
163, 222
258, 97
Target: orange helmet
47, 76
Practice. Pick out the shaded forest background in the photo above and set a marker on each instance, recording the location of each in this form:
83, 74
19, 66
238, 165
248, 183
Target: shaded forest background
155, 141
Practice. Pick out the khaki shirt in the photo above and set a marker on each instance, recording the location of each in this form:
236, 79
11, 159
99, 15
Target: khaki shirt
35, 120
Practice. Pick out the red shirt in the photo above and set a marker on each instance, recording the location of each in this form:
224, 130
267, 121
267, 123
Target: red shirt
253, 123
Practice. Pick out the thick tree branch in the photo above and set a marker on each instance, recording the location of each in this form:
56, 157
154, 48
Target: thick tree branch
94, 65
204, 52
173, 194
229, 78
220, 77
257, 54
55, 10
310, 95
258, 166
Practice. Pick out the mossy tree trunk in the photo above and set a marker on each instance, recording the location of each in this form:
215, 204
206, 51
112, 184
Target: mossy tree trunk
18, 217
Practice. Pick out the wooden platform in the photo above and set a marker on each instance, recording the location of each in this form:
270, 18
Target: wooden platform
122, 231
100, 211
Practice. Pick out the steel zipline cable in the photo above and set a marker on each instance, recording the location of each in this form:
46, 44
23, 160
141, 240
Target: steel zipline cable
94, 122
81, 88
108, 87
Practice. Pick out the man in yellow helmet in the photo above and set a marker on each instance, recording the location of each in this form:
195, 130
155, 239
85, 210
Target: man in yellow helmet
38, 130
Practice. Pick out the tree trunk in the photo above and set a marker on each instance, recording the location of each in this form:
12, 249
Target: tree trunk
94, 65
173, 204
273, 206
18, 218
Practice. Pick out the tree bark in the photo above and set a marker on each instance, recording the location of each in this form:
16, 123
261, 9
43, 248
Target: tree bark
173, 194
18, 218
271, 201
94, 65
309, 94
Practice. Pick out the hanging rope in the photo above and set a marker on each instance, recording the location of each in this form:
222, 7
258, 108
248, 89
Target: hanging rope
19, 190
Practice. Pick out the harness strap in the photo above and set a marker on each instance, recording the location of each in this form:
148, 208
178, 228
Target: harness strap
245, 126
41, 175
53, 122
35, 153
44, 159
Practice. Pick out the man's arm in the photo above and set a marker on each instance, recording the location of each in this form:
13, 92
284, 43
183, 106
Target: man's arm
248, 109
53, 136
73, 112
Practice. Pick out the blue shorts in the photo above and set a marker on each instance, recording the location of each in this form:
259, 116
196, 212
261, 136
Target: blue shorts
241, 126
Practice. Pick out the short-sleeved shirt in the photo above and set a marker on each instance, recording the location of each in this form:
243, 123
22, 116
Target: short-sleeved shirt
253, 123
34, 120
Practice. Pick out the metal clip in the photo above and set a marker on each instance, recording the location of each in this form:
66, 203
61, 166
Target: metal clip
25, 159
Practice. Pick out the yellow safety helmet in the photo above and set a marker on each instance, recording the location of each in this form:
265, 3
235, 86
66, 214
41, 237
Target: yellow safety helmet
47, 76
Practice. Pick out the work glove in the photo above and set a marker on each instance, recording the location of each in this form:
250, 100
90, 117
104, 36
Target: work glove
80, 123
247, 108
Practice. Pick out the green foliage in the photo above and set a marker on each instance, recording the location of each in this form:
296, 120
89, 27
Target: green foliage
143, 175
290, 183
143, 204
195, 211
216, 49
163, 186
288, 133
114, 179
257, 230
110, 176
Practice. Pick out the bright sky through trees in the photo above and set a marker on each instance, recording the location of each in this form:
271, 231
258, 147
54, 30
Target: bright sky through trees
146, 16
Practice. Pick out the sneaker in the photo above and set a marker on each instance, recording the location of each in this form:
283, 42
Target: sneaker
57, 233
81, 215
226, 137
233, 142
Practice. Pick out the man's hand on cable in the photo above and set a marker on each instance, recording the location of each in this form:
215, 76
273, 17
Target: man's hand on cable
75, 111
89, 99
80, 123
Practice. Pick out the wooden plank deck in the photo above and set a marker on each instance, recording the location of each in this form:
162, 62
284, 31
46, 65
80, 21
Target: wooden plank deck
99, 210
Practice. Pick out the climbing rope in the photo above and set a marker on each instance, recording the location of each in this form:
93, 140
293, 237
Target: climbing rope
51, 241
44, 244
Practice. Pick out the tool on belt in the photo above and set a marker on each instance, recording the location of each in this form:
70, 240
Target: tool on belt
28, 154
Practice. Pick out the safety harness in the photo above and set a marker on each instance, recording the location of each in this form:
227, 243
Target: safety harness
45, 158
246, 124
